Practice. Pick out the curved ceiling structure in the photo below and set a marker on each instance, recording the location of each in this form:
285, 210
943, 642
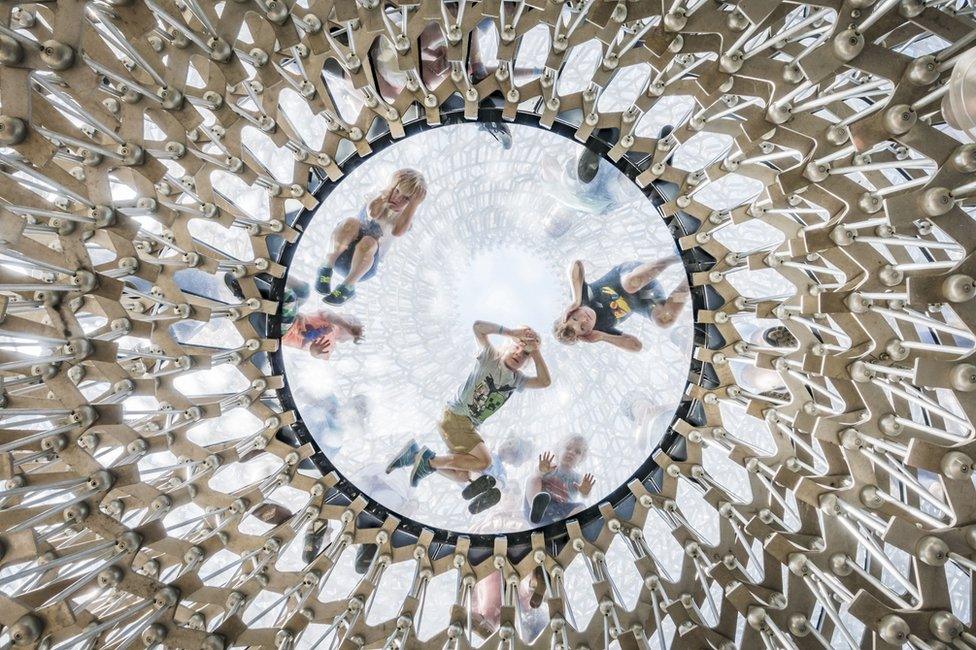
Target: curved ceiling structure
162, 159
492, 241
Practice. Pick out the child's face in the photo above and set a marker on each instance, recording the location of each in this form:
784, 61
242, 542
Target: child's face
573, 452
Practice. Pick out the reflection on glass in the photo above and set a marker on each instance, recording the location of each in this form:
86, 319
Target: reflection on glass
389, 79
459, 406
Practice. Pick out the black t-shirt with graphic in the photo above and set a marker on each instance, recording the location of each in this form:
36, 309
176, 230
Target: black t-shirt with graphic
613, 305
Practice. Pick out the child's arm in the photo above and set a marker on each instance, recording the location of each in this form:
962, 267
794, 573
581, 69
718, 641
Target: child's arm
350, 325
542, 378
577, 279
623, 341
483, 328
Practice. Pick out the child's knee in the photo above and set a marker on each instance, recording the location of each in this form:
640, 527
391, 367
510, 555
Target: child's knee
367, 245
348, 227
662, 317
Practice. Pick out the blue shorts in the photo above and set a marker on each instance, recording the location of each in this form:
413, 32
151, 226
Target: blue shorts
344, 261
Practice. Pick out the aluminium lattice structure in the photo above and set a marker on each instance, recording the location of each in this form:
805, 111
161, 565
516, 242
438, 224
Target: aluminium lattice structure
119, 117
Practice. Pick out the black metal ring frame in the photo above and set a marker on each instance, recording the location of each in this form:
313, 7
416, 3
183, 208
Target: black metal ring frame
555, 533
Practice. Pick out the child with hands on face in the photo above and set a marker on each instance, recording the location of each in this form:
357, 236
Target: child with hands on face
556, 489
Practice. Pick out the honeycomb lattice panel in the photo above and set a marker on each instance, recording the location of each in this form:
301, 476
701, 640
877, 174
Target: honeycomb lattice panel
126, 126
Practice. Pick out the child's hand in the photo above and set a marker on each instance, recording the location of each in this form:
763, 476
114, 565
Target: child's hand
586, 484
547, 462
523, 333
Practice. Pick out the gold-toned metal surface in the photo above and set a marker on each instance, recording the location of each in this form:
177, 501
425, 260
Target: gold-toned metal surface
118, 530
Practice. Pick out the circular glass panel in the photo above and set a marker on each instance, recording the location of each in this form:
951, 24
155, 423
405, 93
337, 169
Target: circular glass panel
490, 243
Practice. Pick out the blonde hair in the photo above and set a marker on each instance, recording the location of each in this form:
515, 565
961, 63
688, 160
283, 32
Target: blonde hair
411, 183
564, 332
583, 443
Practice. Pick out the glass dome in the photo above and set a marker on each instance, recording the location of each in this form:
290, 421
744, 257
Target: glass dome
505, 215
165, 166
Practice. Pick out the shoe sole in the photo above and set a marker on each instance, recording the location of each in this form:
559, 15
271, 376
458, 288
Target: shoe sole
485, 500
540, 503
481, 484
337, 300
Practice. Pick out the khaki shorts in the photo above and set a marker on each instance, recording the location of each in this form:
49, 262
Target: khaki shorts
458, 432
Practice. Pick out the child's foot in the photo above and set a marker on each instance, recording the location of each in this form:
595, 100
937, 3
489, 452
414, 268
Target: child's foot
312, 543
477, 486
405, 458
485, 500
540, 503
323, 284
421, 467
340, 294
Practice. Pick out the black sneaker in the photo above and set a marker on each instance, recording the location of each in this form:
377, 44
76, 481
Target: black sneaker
364, 557
477, 486
779, 337
587, 165
665, 131
485, 500
340, 294
312, 544
405, 458
499, 131
540, 503
421, 467
323, 283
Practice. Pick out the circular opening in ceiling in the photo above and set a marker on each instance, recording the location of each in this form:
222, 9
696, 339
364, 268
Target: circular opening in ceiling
490, 242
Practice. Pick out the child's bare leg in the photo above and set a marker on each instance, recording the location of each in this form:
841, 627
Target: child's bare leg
533, 486
664, 315
476, 460
456, 475
634, 281
362, 259
342, 237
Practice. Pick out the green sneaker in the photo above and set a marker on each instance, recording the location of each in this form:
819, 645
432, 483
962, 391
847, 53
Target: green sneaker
340, 294
421, 467
405, 457
323, 284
